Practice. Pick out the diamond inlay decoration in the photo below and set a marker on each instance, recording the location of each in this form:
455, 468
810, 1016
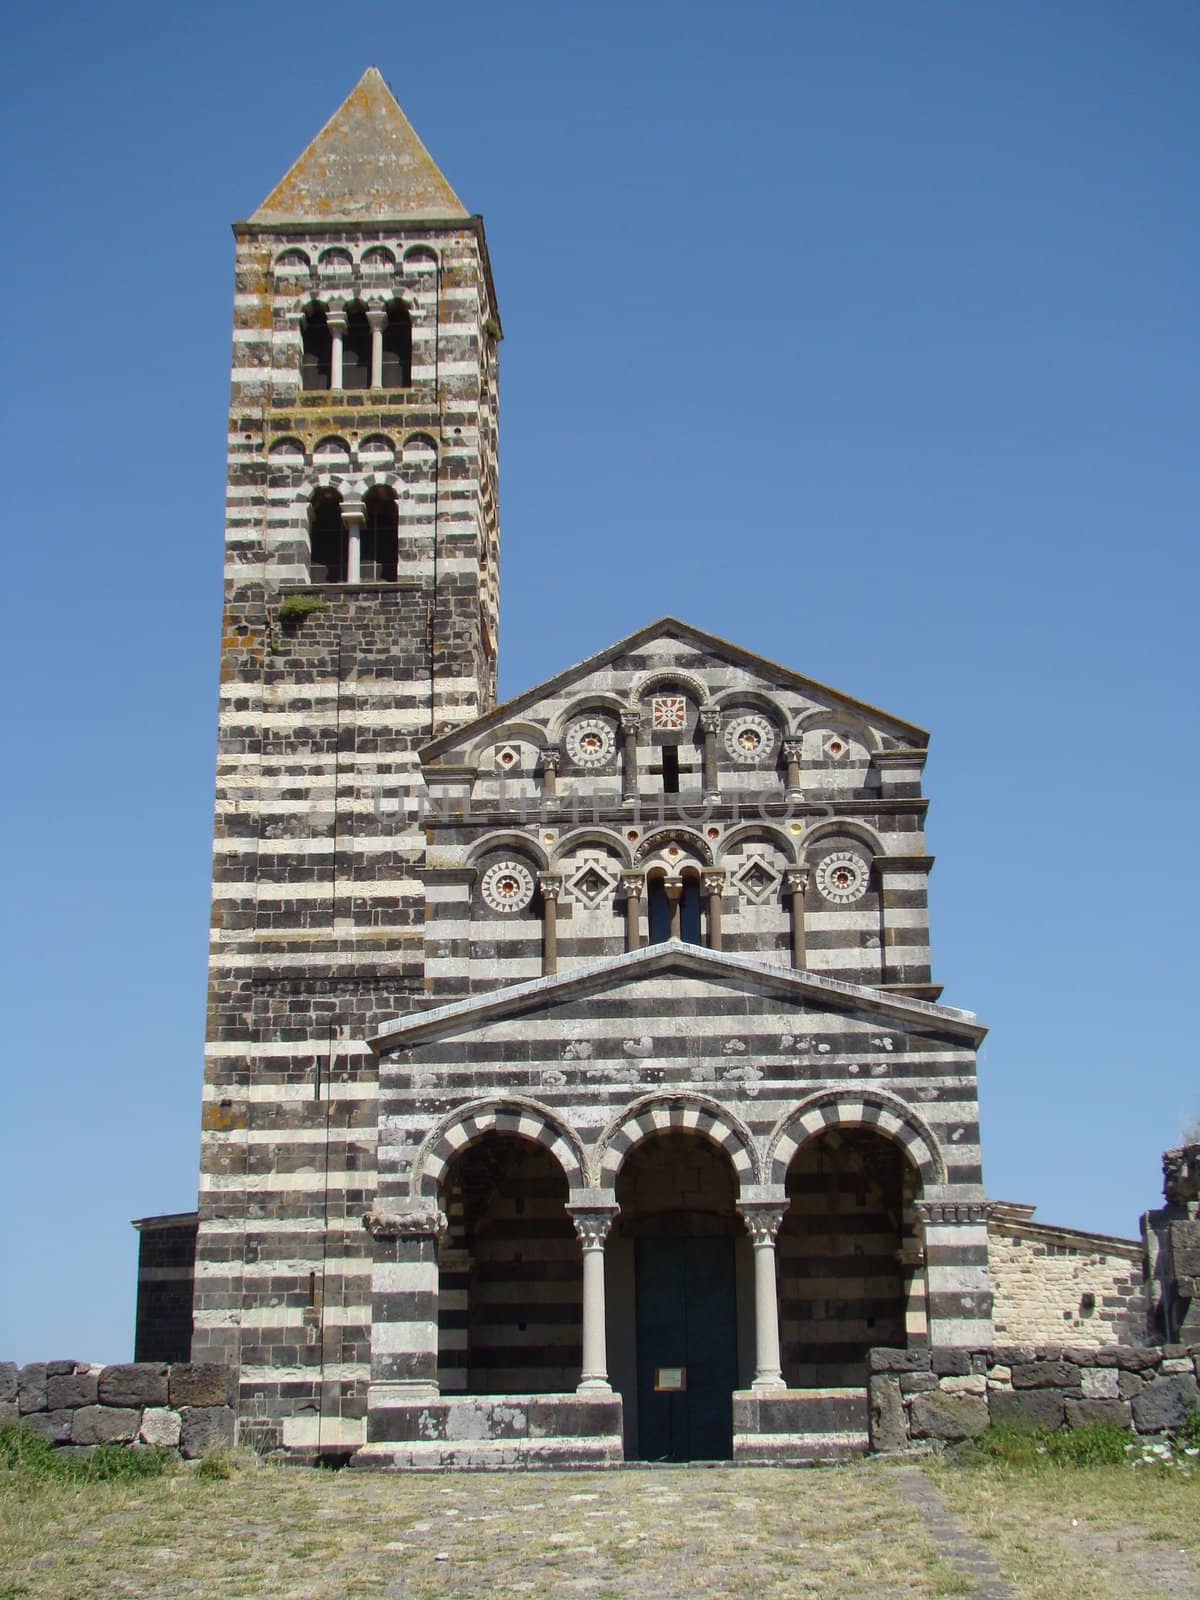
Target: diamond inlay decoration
590, 742
749, 739
842, 877
508, 758
836, 746
592, 884
669, 712
757, 880
507, 886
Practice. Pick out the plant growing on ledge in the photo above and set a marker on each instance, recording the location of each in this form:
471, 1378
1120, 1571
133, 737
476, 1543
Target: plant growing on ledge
298, 606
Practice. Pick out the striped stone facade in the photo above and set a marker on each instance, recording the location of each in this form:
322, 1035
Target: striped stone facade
636, 961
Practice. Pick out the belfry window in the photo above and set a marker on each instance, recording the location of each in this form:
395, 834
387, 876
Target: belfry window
397, 348
327, 540
380, 537
356, 350
670, 769
316, 364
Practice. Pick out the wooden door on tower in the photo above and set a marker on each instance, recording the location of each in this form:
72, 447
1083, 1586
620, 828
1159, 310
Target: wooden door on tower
686, 1300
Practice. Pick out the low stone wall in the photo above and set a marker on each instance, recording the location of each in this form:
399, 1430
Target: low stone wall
919, 1396
76, 1405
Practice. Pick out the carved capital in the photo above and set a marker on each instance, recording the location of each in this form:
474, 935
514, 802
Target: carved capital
712, 880
763, 1219
592, 1224
335, 317
354, 513
550, 883
376, 319
710, 719
795, 880
793, 749
631, 722
418, 1222
951, 1211
633, 885
551, 758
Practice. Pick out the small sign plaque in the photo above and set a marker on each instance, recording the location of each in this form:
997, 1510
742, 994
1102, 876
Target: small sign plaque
669, 1380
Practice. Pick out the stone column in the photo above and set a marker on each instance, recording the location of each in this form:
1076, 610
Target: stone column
336, 319
404, 1312
354, 518
710, 722
795, 882
377, 322
550, 883
631, 726
591, 1225
551, 759
675, 897
792, 749
958, 1294
763, 1219
633, 886
712, 882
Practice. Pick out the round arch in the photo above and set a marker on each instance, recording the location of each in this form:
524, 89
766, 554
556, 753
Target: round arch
662, 837
845, 825
846, 1108
676, 1113
760, 830
833, 718
512, 1114
582, 837
562, 719
667, 675
507, 839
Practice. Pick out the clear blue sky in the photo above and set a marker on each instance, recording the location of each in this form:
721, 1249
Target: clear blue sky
861, 333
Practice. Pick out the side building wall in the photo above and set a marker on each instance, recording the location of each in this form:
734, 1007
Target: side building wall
1053, 1284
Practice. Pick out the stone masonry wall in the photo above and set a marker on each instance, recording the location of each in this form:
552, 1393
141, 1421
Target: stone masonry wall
948, 1395
76, 1405
1051, 1284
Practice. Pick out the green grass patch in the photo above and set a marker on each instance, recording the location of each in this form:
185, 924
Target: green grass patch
31, 1460
298, 606
1099, 1444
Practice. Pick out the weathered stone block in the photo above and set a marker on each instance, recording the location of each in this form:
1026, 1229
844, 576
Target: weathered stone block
160, 1427
70, 1390
9, 1412
205, 1428
1100, 1383
9, 1377
951, 1363
899, 1361
948, 1416
31, 1387
1165, 1403
200, 1383
1173, 1365
917, 1382
104, 1425
1028, 1408
1013, 1355
1045, 1375
52, 1425
1127, 1358
62, 1369
970, 1383
885, 1414
1081, 1412
1129, 1384
140, 1383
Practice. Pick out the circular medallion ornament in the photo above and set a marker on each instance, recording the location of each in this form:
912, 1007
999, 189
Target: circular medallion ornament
842, 877
749, 739
590, 742
507, 886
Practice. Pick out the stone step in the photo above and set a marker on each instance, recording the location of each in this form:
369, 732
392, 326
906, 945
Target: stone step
782, 1427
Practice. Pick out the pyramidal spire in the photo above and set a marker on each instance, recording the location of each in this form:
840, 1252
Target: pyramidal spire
366, 162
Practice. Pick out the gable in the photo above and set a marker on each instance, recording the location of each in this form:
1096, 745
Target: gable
714, 672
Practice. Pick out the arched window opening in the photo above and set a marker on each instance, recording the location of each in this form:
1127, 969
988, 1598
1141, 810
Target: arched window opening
659, 907
356, 350
689, 910
380, 537
327, 540
397, 348
316, 362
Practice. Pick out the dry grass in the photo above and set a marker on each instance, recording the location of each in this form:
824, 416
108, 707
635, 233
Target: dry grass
1083, 1533
271, 1533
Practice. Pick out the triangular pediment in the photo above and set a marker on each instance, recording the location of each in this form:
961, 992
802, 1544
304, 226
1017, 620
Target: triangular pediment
733, 977
367, 163
667, 645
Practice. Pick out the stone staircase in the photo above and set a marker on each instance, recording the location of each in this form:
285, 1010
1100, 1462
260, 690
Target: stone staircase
786, 1427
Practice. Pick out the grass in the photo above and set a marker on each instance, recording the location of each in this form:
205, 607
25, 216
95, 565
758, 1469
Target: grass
1067, 1517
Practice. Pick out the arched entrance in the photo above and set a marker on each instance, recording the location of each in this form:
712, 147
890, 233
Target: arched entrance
510, 1277
845, 1254
676, 1258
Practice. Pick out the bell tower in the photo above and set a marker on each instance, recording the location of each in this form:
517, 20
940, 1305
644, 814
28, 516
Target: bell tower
360, 622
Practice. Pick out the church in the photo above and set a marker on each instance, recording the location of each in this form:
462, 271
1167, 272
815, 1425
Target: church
577, 1088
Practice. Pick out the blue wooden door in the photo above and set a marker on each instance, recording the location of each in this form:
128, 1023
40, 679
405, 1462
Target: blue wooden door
686, 1319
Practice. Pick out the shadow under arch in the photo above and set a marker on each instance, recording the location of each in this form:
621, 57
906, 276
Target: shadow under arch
848, 1108
512, 1114
673, 1113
